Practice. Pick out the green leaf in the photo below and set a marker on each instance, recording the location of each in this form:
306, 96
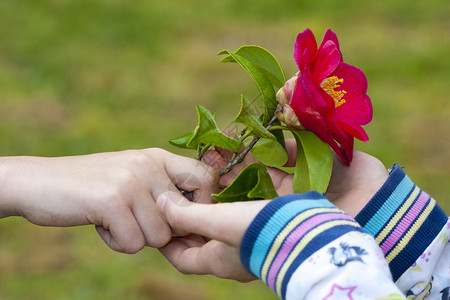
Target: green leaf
183, 140
314, 163
253, 183
270, 152
263, 83
263, 59
208, 132
248, 117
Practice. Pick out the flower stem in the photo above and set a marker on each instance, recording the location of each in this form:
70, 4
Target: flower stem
279, 127
237, 159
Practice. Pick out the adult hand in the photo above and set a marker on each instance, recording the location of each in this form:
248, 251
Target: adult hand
115, 191
350, 188
217, 231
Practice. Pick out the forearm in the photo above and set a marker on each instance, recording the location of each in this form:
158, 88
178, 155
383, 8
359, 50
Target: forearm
41, 189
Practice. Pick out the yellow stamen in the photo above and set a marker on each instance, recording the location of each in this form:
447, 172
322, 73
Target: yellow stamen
329, 85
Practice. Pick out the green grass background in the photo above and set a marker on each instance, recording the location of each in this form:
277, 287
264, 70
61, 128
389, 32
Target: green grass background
87, 76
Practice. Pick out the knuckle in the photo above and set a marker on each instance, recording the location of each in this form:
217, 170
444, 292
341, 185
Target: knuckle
124, 175
157, 151
139, 158
134, 247
125, 180
154, 154
108, 196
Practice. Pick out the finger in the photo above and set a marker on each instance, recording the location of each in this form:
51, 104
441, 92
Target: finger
226, 154
107, 237
193, 240
158, 220
224, 222
214, 159
285, 186
282, 181
214, 257
153, 225
186, 259
192, 175
291, 148
123, 234
217, 161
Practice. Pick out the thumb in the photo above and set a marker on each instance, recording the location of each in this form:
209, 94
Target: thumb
225, 222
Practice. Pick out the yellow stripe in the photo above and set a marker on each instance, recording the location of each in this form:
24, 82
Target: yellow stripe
285, 232
301, 245
401, 212
408, 236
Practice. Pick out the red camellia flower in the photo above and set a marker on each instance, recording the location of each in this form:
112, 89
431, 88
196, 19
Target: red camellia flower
327, 95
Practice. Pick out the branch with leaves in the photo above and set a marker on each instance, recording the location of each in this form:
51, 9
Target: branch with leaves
316, 105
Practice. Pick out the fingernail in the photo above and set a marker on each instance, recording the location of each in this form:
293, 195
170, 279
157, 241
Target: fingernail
161, 201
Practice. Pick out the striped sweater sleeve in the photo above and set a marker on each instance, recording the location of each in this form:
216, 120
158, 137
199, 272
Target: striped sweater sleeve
303, 247
413, 233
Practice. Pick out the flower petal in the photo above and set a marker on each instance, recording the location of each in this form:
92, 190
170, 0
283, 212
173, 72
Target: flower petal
354, 78
306, 109
353, 129
343, 147
357, 106
327, 59
318, 95
305, 41
331, 36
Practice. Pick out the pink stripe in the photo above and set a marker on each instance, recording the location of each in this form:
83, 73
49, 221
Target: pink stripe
405, 223
292, 239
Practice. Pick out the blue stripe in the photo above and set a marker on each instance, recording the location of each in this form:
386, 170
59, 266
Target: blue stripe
384, 214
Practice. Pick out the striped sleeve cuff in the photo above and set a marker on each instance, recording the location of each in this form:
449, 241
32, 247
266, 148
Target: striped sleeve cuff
286, 232
403, 219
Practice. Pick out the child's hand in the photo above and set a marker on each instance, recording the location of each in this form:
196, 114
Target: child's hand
352, 187
217, 231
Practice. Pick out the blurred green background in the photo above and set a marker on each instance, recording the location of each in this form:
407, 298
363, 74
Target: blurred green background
86, 76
